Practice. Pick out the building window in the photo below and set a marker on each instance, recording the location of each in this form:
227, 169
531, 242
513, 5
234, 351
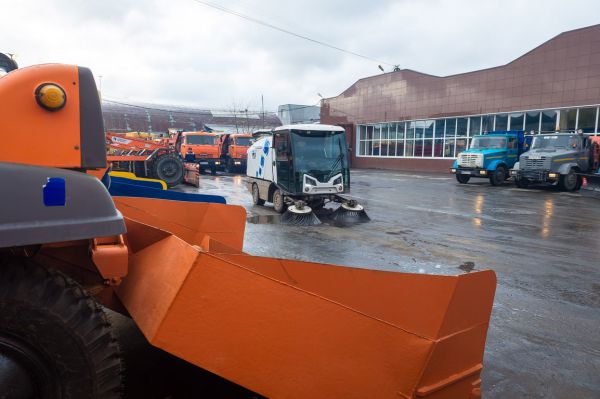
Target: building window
586, 120
516, 121
568, 119
501, 122
440, 124
474, 126
532, 122
461, 127
487, 123
445, 138
549, 119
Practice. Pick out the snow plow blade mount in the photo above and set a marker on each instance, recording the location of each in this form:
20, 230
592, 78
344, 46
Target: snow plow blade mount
291, 329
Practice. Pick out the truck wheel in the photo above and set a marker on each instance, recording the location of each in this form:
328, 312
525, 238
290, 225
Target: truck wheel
55, 340
278, 202
463, 179
256, 195
522, 182
168, 168
569, 181
498, 176
213, 170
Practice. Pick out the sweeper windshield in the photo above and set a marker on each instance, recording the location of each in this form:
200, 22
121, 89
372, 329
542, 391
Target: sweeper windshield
319, 153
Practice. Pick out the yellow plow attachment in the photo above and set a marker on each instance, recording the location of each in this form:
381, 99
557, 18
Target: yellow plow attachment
292, 329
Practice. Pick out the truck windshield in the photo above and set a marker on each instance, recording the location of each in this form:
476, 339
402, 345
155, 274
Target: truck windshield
319, 153
208, 140
244, 141
482, 142
555, 141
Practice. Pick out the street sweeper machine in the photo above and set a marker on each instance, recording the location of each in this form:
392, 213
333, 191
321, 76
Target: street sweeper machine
301, 168
282, 328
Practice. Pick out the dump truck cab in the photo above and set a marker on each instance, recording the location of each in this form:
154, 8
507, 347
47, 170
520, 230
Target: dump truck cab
234, 151
490, 155
556, 159
201, 147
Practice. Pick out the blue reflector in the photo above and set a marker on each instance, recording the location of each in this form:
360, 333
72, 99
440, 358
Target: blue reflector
55, 192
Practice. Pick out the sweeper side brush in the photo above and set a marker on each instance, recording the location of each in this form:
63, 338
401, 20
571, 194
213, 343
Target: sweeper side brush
300, 214
348, 213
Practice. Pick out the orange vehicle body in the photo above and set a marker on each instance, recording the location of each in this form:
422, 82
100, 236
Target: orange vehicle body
282, 328
202, 148
234, 148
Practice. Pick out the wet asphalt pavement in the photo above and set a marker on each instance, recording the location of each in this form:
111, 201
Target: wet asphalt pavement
544, 338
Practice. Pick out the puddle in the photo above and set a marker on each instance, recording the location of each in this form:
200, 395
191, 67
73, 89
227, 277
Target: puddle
264, 219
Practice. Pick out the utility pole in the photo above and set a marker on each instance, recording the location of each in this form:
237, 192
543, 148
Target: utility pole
262, 102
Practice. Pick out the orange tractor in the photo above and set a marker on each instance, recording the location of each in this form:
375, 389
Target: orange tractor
145, 158
282, 328
234, 148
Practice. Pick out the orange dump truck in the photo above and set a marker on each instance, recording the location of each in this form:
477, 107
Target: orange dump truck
234, 149
282, 328
200, 147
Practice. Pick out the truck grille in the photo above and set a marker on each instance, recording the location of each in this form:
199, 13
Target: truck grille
468, 160
535, 163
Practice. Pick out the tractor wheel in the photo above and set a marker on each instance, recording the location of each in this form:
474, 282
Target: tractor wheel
55, 340
569, 181
498, 176
168, 168
278, 202
522, 182
462, 179
256, 195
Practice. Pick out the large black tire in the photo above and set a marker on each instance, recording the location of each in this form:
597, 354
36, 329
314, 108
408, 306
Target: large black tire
55, 340
462, 179
278, 202
522, 182
569, 182
256, 195
498, 176
168, 168
213, 170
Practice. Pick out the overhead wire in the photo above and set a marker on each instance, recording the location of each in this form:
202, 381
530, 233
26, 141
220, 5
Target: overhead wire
288, 32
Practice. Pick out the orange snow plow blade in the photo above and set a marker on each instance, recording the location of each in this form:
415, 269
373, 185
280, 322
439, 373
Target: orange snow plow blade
291, 329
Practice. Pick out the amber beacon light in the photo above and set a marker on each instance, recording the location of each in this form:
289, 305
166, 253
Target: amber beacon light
50, 96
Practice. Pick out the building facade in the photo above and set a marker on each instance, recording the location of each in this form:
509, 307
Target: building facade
409, 120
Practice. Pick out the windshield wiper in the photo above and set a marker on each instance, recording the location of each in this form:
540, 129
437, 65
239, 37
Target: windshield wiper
335, 163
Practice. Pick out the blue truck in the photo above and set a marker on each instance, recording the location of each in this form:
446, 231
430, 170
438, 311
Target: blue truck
491, 155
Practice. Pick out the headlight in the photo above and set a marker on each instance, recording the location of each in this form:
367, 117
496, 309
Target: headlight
483, 172
310, 181
453, 170
217, 163
338, 180
553, 175
50, 96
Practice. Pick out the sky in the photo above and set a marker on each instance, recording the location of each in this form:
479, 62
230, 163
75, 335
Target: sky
182, 52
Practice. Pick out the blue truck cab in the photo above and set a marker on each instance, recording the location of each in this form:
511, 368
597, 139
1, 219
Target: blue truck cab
490, 155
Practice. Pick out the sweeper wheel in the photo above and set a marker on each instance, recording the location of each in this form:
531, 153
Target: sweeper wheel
300, 214
349, 212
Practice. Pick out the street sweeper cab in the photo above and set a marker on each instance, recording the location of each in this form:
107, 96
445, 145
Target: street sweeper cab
281, 328
299, 168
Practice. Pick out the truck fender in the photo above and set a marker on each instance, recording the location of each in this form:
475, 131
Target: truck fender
495, 163
516, 166
565, 168
455, 164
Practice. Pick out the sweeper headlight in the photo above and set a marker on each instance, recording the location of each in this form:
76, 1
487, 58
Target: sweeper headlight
50, 96
310, 181
338, 180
